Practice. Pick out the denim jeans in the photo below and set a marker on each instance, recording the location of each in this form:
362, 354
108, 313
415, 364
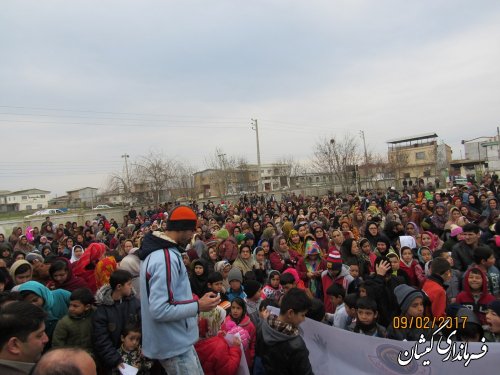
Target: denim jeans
184, 364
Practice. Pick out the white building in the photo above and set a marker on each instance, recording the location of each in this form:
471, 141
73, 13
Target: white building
85, 196
275, 177
31, 199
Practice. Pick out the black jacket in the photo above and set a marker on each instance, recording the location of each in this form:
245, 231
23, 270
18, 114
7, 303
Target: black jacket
108, 322
282, 354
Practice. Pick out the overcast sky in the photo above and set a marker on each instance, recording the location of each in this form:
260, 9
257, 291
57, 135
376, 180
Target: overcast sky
83, 82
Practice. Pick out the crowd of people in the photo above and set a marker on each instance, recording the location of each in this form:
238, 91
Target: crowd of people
187, 289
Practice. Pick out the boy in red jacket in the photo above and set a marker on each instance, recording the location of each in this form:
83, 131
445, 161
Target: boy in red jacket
435, 289
475, 295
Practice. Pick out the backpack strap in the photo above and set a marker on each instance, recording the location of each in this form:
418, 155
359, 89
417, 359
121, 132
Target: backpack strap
168, 269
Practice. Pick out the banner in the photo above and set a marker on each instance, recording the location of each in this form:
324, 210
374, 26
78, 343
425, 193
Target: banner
337, 351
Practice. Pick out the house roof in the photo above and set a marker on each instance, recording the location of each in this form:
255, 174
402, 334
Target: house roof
412, 138
87, 187
27, 191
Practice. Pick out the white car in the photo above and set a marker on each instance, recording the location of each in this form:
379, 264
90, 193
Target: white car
101, 207
47, 212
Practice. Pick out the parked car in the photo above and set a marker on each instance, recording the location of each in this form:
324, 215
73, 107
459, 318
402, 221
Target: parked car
101, 207
47, 212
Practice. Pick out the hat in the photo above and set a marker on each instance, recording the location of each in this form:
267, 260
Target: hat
31, 257
312, 248
222, 234
16, 265
495, 306
112, 230
334, 261
182, 218
235, 274
251, 287
405, 295
455, 230
249, 236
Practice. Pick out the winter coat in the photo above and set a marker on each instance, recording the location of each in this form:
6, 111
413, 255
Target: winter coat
435, 290
169, 323
276, 257
108, 322
463, 256
343, 279
217, 357
74, 332
414, 272
381, 289
248, 326
466, 299
282, 354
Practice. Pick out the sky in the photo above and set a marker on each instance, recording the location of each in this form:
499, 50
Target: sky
84, 82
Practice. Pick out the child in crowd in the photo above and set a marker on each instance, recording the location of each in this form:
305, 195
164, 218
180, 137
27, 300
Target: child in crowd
454, 285
434, 287
198, 279
396, 271
253, 291
493, 321
335, 273
21, 271
238, 321
475, 295
411, 304
130, 350
54, 302
75, 329
337, 294
354, 272
281, 348
235, 279
350, 308
366, 318
287, 282
469, 328
424, 255
273, 289
116, 307
223, 267
485, 260
412, 268
63, 278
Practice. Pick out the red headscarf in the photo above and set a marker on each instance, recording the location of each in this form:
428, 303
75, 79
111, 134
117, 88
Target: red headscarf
85, 266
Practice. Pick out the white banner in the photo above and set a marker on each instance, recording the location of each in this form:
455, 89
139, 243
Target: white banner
336, 351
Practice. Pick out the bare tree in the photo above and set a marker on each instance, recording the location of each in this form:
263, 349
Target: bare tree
183, 180
291, 166
339, 157
398, 160
230, 172
155, 171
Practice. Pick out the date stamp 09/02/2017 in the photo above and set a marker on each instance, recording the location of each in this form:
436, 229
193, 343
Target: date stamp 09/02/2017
425, 322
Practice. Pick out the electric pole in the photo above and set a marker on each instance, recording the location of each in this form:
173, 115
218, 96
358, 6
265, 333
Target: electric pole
126, 156
255, 127
223, 164
366, 156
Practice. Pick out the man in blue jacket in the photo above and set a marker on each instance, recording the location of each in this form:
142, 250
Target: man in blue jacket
169, 311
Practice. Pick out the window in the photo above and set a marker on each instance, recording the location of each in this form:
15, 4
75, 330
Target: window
24, 197
39, 206
427, 173
42, 196
406, 175
28, 207
420, 155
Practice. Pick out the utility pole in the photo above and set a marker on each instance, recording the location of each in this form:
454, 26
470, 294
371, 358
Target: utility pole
364, 145
255, 127
126, 156
498, 142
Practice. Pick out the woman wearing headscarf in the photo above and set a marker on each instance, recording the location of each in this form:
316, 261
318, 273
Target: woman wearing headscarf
132, 264
295, 242
62, 276
86, 265
245, 261
23, 245
14, 237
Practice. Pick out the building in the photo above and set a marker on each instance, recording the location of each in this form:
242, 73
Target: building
418, 157
243, 179
481, 156
31, 199
82, 197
